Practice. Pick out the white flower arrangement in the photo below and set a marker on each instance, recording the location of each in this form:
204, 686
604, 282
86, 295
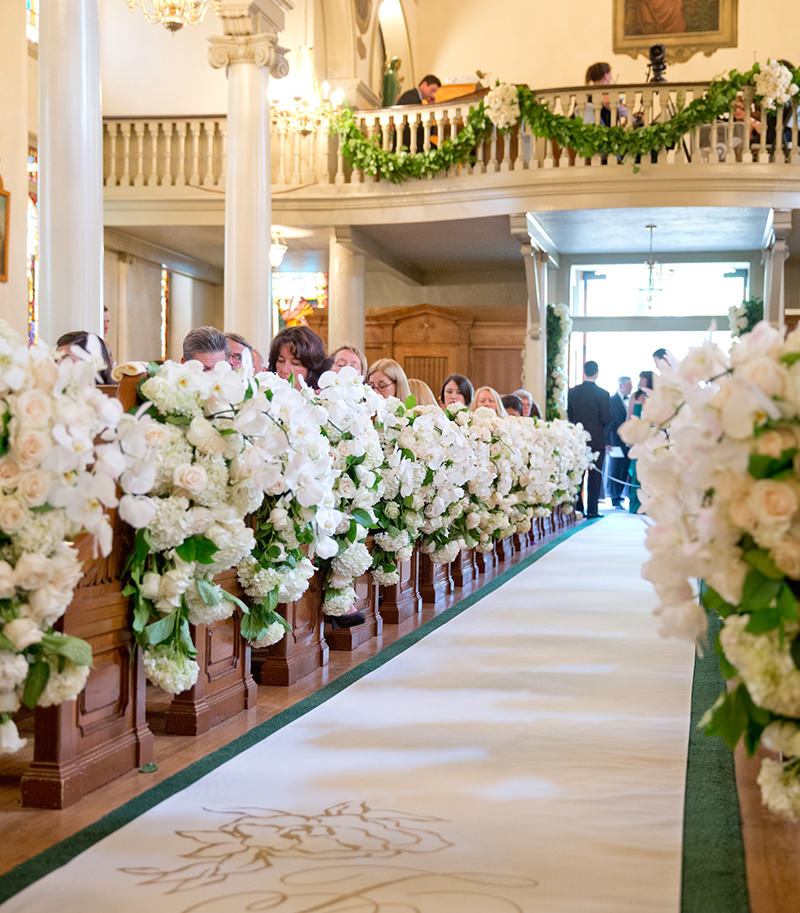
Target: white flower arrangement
559, 327
721, 488
775, 85
59, 464
502, 106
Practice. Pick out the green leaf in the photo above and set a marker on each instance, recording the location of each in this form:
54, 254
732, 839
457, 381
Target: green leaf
761, 466
726, 667
352, 532
759, 559
185, 638
6, 644
729, 719
410, 402
710, 599
209, 593
794, 649
161, 630
758, 592
787, 604
270, 601
229, 597
72, 648
252, 627
763, 621
35, 683
790, 358
150, 768
361, 516
174, 419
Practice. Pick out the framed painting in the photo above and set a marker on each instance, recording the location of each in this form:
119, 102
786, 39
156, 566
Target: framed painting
4, 198
684, 27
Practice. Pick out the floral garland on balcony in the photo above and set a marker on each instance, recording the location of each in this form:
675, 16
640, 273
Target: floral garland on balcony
506, 105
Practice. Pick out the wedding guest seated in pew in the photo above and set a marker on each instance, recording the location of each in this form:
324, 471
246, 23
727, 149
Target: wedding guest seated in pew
298, 352
208, 345
512, 404
349, 356
457, 389
386, 377
421, 392
529, 407
488, 398
240, 353
92, 345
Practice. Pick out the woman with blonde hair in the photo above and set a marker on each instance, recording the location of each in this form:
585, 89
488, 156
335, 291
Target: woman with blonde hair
349, 356
421, 392
488, 398
386, 377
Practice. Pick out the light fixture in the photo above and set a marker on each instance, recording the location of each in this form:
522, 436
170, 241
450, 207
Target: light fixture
300, 105
653, 271
173, 14
277, 249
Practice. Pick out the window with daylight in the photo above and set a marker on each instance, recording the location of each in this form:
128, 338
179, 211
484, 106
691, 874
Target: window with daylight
32, 20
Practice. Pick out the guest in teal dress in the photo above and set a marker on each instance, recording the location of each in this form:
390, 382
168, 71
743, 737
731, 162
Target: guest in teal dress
635, 406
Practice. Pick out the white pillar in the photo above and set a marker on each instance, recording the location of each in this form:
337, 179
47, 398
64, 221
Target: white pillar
70, 170
346, 312
774, 260
248, 56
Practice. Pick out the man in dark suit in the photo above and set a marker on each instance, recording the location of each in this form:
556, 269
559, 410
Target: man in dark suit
618, 455
424, 93
590, 405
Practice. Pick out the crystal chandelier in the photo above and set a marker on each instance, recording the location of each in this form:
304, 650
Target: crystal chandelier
277, 249
653, 272
304, 108
173, 14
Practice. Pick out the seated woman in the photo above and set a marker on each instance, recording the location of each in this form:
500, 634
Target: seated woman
386, 377
421, 392
91, 344
512, 404
349, 356
488, 398
457, 389
298, 352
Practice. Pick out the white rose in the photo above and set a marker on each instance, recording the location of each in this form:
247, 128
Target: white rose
773, 502
156, 435
33, 571
773, 443
767, 374
786, 554
9, 472
190, 477
10, 740
136, 512
34, 408
151, 585
7, 587
203, 435
13, 515
22, 632
346, 487
31, 447
279, 518
34, 487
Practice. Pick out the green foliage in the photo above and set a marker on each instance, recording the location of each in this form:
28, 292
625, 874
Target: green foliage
735, 716
367, 155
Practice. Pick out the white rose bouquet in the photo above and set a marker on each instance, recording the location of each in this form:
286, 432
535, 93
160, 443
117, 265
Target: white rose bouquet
502, 106
350, 407
775, 84
718, 446
297, 519
59, 463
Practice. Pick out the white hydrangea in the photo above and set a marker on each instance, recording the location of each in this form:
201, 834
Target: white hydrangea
169, 669
774, 84
502, 105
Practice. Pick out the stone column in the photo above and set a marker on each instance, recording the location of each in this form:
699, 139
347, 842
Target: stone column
70, 170
774, 259
346, 310
250, 52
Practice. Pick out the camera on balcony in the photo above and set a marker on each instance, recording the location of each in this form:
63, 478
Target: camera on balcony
658, 63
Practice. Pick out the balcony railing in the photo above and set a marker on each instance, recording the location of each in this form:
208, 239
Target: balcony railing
176, 155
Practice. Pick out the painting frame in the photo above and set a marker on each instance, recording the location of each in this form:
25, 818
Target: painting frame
5, 206
680, 45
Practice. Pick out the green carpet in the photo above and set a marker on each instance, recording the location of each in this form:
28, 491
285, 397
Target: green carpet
714, 879
61, 853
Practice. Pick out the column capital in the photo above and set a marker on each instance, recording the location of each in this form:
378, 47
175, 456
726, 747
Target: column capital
262, 50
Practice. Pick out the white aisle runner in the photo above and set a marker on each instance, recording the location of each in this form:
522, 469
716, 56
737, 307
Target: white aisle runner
529, 755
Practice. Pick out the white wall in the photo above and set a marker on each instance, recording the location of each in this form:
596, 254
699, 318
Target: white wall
14, 157
383, 289
548, 45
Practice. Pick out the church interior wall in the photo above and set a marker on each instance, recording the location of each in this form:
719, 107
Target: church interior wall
13, 158
486, 289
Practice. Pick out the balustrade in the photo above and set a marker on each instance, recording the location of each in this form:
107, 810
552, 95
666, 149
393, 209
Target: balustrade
167, 153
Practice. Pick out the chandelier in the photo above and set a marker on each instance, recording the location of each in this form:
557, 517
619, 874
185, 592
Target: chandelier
277, 249
173, 14
303, 107
653, 272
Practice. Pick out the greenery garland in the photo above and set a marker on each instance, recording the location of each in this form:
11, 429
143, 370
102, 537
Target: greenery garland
365, 153
559, 327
